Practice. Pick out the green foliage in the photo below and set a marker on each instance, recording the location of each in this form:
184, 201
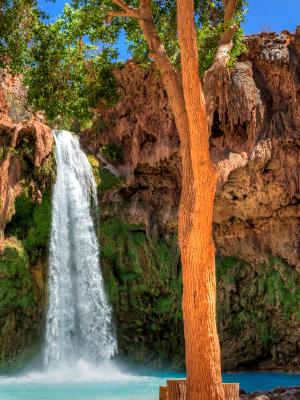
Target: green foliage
143, 280
15, 280
225, 268
38, 233
111, 151
18, 21
67, 76
282, 285
19, 307
210, 29
256, 299
31, 223
108, 181
268, 335
68, 63
239, 47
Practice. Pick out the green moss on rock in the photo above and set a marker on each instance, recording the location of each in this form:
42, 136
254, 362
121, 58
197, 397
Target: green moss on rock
31, 223
258, 306
18, 303
108, 181
143, 279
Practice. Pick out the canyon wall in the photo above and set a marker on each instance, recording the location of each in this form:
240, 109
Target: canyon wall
27, 169
134, 150
255, 145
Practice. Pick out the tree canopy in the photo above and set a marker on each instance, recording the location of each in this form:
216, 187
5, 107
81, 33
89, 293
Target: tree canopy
68, 63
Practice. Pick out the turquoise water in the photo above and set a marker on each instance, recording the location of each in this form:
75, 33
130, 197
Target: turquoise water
110, 383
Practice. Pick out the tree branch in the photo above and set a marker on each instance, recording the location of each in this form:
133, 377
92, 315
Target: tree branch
126, 14
230, 7
168, 73
122, 4
127, 11
225, 42
158, 53
216, 77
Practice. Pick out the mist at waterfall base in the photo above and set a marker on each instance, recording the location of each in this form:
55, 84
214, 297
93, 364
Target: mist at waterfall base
79, 335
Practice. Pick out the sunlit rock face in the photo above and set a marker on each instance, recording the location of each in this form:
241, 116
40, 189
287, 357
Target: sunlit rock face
255, 145
30, 141
27, 169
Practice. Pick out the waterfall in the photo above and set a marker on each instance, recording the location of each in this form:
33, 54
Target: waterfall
78, 324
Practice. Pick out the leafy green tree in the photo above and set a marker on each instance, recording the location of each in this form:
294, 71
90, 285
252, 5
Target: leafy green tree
18, 20
68, 63
70, 69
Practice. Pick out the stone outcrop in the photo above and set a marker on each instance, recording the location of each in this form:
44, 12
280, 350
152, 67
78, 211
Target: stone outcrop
292, 393
26, 172
28, 142
254, 142
255, 145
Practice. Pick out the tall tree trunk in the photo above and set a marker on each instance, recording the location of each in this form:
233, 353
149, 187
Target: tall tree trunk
196, 208
203, 362
197, 198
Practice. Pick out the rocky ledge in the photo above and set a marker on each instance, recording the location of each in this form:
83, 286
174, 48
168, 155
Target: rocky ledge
25, 150
292, 393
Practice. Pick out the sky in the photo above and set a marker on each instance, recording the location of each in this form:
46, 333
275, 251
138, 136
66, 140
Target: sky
267, 15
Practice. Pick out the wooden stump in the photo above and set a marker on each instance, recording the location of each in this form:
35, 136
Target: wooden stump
176, 389
232, 391
163, 393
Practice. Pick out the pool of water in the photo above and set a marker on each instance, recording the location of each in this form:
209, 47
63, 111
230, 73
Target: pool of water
109, 382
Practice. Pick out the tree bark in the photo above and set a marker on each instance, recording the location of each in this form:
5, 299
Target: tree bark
197, 198
232, 391
203, 363
176, 389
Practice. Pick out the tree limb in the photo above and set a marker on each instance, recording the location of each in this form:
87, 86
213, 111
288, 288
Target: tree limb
225, 42
158, 53
230, 7
122, 4
127, 11
216, 77
113, 14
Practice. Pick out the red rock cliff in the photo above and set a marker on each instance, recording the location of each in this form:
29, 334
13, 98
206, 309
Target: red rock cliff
255, 144
29, 139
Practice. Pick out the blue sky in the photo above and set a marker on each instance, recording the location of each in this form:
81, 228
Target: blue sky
270, 15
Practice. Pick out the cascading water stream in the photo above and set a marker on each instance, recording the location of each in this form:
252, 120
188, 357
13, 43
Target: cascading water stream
78, 325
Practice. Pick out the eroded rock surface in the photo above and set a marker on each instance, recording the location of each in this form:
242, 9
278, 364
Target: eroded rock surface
26, 144
292, 393
255, 144
26, 172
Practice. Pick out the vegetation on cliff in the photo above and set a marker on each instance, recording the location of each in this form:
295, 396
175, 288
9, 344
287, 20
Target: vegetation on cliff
18, 306
31, 224
22, 280
258, 302
23, 259
143, 278
258, 310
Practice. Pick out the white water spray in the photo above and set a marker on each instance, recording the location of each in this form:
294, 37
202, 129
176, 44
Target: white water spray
78, 325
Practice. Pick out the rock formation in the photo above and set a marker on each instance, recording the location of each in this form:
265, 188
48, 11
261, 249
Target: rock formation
292, 393
255, 145
28, 141
26, 172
